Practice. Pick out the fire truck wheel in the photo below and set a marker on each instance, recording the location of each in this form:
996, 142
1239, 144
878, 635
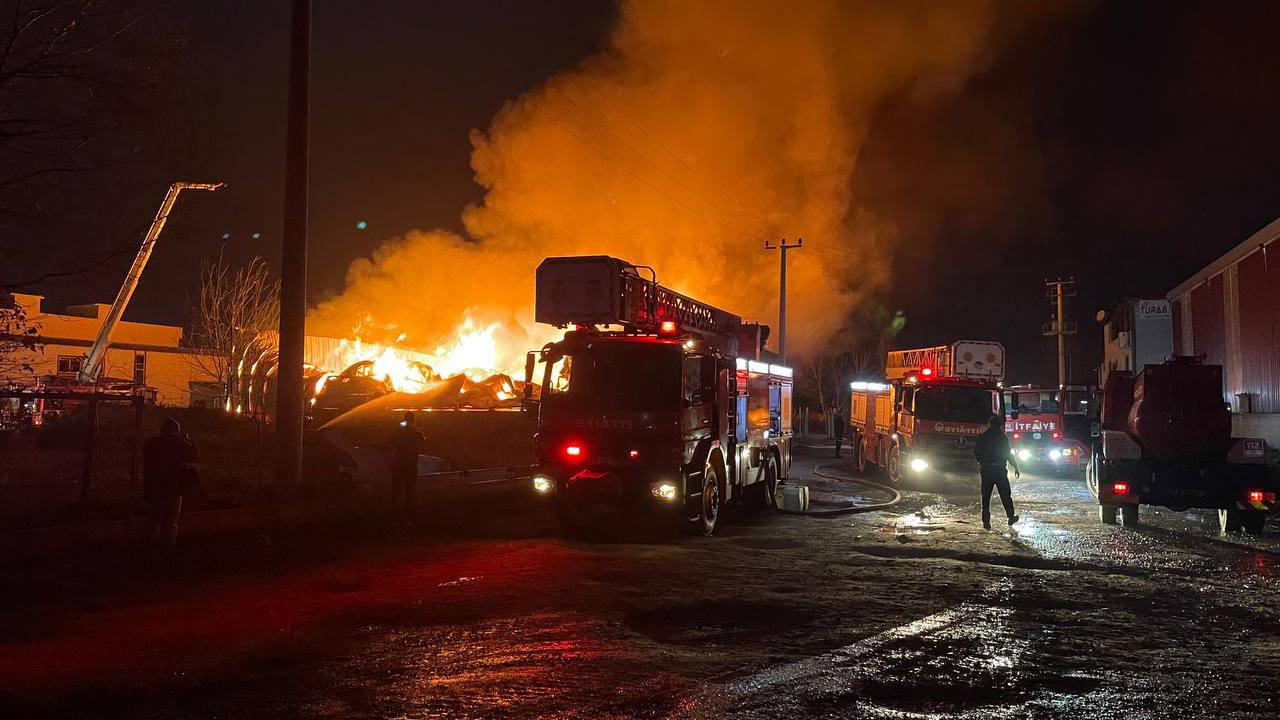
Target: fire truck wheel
859, 453
1228, 521
1129, 515
710, 502
770, 484
1253, 522
894, 466
1107, 513
762, 494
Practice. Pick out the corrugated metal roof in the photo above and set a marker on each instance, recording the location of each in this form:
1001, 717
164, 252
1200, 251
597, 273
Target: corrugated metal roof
1232, 256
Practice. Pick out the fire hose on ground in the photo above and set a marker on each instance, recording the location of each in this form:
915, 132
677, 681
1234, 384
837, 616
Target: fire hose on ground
821, 472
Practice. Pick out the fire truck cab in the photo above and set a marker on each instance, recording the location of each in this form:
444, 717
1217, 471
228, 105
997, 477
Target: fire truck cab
1036, 422
653, 403
922, 422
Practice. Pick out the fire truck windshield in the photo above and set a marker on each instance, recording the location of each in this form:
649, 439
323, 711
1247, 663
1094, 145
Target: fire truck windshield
1032, 402
956, 404
636, 377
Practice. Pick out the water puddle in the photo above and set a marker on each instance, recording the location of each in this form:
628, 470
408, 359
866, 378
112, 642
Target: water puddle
917, 523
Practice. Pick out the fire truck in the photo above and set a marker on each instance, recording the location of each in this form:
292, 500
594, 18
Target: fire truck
653, 403
923, 420
1037, 424
1163, 437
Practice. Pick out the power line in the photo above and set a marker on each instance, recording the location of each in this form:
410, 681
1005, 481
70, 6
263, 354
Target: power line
648, 184
659, 168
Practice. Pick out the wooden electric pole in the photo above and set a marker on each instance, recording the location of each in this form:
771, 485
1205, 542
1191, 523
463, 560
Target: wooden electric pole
782, 292
1059, 290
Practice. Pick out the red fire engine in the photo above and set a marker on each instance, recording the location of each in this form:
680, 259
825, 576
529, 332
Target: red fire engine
653, 402
1038, 427
923, 420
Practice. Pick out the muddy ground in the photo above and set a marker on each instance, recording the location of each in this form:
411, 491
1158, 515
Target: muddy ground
913, 612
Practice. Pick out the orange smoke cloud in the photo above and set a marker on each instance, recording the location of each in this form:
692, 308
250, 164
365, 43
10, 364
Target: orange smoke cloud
704, 130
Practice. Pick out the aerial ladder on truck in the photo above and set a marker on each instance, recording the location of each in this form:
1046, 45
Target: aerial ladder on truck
92, 363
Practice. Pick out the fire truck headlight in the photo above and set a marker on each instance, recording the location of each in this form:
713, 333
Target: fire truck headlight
663, 491
919, 465
543, 484
1024, 454
1055, 454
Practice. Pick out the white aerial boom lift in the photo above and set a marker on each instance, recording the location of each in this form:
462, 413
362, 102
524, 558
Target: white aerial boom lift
93, 361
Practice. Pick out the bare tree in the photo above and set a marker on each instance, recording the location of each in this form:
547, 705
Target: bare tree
821, 377
67, 77
230, 315
867, 363
18, 336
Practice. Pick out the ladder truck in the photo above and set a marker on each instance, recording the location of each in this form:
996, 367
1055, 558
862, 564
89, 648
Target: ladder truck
653, 404
923, 420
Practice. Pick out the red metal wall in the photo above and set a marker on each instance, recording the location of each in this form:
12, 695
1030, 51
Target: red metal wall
1177, 327
1259, 288
1207, 322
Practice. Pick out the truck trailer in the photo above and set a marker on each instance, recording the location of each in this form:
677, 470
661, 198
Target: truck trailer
1164, 438
653, 403
923, 419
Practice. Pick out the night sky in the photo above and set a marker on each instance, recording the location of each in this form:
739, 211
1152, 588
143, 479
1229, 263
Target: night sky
1126, 144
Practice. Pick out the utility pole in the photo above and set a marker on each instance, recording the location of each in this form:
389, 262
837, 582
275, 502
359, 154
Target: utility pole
293, 265
1058, 290
782, 291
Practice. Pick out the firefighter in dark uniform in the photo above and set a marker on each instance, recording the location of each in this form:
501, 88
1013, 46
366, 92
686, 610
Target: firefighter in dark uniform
992, 452
406, 443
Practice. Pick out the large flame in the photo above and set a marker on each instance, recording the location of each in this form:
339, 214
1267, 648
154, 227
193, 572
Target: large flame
471, 350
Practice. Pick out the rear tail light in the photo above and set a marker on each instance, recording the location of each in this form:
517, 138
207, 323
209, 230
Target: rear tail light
573, 451
633, 454
1258, 496
1120, 488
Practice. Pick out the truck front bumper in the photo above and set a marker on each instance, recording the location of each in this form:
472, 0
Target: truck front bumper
607, 491
1044, 456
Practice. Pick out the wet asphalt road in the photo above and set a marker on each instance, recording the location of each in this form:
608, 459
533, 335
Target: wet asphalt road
914, 612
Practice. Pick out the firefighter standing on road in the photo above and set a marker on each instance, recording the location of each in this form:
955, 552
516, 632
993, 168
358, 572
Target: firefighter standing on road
837, 419
405, 445
992, 453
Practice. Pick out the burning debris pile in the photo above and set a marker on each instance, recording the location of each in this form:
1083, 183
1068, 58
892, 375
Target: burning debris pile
343, 373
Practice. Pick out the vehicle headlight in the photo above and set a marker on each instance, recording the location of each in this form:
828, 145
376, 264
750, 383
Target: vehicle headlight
1055, 454
663, 491
1024, 454
1067, 451
543, 484
919, 465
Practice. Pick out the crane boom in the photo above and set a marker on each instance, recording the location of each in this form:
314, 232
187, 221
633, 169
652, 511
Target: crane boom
93, 361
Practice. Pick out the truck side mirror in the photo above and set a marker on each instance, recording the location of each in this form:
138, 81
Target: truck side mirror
1095, 429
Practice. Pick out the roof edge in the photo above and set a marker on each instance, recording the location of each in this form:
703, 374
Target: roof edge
1233, 256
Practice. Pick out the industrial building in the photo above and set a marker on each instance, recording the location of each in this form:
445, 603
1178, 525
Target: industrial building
1229, 312
143, 354
1138, 332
